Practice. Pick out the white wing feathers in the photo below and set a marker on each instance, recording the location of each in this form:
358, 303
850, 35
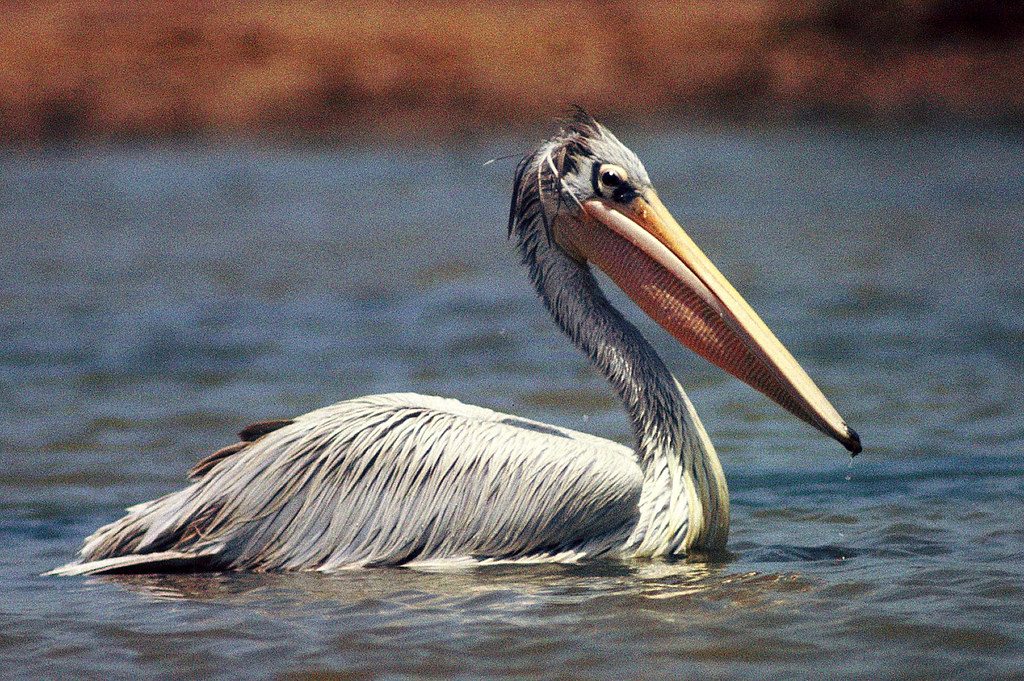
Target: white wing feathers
387, 480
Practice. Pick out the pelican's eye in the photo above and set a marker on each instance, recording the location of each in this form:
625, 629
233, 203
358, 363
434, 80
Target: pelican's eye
609, 178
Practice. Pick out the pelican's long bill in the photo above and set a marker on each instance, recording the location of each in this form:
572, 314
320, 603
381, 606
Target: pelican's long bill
649, 256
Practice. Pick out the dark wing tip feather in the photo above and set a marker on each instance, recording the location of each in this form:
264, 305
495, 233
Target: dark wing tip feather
204, 466
254, 431
250, 433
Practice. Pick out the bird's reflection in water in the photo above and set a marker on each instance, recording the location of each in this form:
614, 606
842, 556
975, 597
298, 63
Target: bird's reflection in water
487, 587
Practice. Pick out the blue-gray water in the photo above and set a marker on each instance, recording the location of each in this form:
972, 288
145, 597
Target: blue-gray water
154, 301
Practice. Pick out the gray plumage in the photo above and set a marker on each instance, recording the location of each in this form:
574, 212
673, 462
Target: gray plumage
408, 479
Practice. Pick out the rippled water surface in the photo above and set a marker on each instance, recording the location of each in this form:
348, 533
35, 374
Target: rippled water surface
154, 301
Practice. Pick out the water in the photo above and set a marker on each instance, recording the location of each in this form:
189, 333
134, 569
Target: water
154, 301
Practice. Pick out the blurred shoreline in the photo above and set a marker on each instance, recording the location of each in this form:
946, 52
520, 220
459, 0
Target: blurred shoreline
96, 70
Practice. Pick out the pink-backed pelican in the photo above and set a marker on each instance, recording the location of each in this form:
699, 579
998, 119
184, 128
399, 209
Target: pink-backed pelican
406, 479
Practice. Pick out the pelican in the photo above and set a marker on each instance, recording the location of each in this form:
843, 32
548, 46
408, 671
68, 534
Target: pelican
407, 479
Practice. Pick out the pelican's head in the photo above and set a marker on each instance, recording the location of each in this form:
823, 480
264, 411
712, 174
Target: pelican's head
587, 195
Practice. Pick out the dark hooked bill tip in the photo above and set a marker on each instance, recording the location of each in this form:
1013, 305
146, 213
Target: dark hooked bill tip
853, 443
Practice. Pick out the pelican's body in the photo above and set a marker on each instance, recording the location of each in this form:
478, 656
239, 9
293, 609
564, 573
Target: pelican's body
400, 478
404, 479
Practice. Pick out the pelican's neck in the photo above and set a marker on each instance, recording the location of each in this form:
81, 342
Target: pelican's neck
648, 390
685, 502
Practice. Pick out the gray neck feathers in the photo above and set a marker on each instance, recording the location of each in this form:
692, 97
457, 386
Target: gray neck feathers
648, 390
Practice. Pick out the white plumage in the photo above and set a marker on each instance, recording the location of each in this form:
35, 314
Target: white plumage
389, 480
406, 479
